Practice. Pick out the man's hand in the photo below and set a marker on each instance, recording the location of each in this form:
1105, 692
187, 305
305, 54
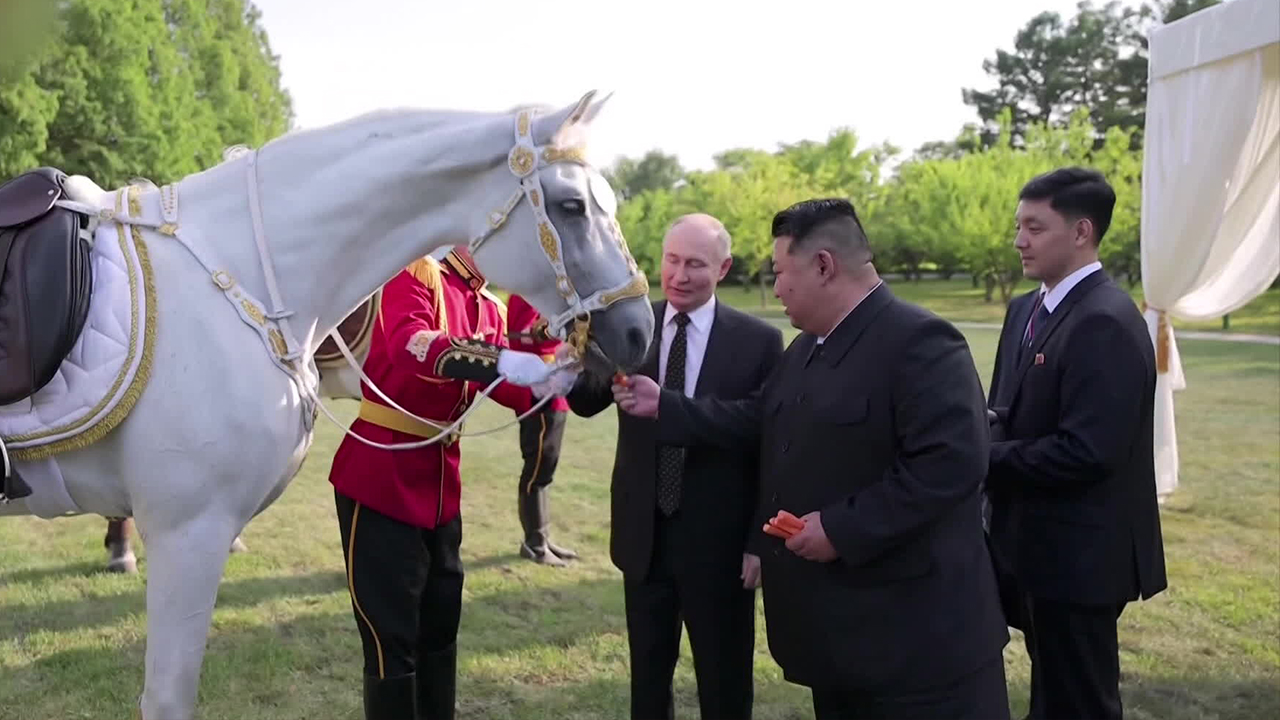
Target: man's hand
811, 543
750, 571
637, 395
522, 368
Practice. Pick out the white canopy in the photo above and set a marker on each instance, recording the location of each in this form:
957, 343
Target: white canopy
1210, 182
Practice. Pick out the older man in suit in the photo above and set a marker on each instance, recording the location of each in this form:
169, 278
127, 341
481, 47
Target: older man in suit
682, 519
1075, 528
873, 430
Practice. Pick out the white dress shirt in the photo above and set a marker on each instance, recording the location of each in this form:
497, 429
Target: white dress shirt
696, 334
1052, 298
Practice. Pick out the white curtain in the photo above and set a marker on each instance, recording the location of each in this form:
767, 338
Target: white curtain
1210, 184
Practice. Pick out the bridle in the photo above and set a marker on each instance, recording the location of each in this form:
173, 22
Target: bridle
524, 161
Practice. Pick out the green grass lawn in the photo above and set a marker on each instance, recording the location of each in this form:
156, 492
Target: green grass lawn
539, 642
958, 300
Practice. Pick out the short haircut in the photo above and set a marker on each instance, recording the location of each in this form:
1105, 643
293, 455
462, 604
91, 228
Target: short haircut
1075, 192
725, 240
824, 223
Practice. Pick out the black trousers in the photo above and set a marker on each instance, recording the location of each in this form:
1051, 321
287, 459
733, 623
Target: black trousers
1075, 659
720, 616
981, 695
406, 588
541, 435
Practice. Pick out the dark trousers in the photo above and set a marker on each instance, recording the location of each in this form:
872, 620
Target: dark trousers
720, 616
406, 594
981, 695
540, 437
1075, 659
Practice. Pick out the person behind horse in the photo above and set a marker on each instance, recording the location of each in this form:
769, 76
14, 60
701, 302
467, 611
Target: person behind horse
439, 340
683, 521
541, 435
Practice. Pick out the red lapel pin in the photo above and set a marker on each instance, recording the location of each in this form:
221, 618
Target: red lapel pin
1039, 359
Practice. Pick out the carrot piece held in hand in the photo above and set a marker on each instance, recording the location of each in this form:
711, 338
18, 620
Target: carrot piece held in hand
789, 521
620, 379
770, 529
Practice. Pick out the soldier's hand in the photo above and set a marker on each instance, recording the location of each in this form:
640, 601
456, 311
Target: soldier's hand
522, 368
560, 383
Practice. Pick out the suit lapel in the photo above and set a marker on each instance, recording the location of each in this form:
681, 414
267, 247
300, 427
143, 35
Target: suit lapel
846, 334
650, 366
714, 356
1011, 342
1055, 320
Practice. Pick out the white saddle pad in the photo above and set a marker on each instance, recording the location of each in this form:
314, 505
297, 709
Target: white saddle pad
99, 382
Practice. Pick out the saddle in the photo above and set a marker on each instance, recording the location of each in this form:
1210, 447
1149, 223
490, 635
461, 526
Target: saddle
46, 280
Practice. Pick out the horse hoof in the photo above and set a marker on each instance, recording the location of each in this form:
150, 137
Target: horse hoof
127, 564
238, 546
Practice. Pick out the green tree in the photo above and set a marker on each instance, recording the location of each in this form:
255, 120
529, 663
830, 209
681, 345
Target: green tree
655, 171
1095, 60
150, 88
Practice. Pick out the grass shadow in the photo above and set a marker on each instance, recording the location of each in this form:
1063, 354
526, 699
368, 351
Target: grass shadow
106, 608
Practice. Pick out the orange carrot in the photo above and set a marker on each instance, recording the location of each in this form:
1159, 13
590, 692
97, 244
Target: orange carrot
776, 532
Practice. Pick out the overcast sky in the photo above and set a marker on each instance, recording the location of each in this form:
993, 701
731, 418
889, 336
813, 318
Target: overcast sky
691, 77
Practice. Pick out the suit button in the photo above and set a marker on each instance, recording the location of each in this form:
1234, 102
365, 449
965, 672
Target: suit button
786, 445
774, 498
800, 399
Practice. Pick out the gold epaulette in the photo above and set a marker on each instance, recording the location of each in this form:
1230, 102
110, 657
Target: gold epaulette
427, 271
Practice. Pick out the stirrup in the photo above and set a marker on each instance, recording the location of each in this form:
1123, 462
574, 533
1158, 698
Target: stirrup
14, 486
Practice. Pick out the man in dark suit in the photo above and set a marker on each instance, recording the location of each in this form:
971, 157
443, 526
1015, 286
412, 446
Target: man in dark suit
682, 520
873, 430
1074, 526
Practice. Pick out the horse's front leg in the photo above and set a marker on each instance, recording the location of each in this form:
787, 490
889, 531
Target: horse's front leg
184, 566
120, 557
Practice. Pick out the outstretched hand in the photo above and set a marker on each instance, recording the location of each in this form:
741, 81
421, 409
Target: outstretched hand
636, 395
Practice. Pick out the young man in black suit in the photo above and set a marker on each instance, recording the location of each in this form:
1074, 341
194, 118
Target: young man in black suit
1074, 526
682, 519
873, 430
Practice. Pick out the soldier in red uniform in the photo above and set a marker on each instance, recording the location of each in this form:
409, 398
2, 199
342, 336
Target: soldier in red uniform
439, 340
540, 437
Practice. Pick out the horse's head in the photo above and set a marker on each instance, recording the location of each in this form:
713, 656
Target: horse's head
551, 236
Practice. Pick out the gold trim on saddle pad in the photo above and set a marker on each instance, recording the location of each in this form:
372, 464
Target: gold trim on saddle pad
129, 398
393, 419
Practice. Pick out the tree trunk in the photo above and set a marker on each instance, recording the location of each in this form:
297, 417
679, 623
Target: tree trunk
764, 293
989, 293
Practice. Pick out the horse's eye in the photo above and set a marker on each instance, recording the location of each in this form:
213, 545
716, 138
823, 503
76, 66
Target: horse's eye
574, 207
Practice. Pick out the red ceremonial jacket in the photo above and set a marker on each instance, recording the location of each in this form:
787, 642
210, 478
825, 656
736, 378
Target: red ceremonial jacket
522, 318
433, 349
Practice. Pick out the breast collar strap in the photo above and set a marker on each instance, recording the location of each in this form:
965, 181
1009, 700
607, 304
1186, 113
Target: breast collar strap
524, 161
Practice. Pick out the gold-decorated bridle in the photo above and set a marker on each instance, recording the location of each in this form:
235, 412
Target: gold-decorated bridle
524, 161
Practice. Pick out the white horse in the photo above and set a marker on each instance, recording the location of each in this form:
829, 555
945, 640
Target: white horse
338, 380
317, 221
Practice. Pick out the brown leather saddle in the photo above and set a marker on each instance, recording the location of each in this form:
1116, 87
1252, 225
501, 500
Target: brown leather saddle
46, 280
354, 329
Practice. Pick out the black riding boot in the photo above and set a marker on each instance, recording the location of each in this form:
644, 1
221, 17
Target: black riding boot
535, 519
437, 683
390, 698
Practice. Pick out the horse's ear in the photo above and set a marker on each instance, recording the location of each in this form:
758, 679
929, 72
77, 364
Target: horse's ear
594, 109
566, 126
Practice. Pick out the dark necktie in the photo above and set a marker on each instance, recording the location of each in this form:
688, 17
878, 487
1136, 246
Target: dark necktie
1038, 319
671, 459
